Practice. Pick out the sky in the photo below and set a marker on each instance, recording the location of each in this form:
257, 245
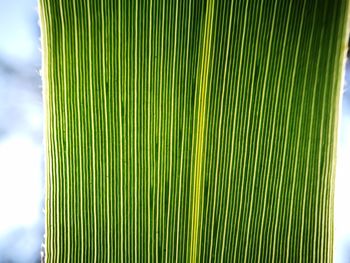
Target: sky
21, 147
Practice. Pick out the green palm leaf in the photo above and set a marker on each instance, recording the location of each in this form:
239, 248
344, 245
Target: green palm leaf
190, 131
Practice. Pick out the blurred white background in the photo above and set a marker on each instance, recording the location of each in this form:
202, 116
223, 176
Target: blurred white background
21, 143
342, 179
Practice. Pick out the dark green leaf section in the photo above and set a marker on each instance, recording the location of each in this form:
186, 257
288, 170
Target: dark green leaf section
191, 131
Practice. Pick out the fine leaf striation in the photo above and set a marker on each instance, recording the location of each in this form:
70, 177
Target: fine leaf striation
191, 131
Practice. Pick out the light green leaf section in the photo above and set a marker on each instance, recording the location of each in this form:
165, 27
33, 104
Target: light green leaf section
191, 131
